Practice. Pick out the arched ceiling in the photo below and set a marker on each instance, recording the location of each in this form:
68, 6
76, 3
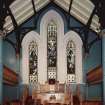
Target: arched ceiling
80, 9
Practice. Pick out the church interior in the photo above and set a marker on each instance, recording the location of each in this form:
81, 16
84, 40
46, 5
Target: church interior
52, 52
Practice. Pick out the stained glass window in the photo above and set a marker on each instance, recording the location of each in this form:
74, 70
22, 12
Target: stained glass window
52, 50
70, 61
33, 62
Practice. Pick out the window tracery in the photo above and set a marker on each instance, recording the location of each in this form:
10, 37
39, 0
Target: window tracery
60, 70
33, 62
52, 50
70, 61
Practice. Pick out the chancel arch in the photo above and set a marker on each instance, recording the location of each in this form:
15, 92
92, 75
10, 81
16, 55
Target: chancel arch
41, 57
56, 18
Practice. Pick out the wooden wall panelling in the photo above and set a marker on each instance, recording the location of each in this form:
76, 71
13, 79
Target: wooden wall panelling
92, 103
9, 76
94, 76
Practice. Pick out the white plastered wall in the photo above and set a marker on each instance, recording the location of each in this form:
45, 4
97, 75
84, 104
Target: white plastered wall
42, 50
71, 35
53, 15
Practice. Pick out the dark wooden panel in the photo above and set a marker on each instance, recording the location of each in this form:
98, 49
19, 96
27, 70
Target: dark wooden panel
92, 103
9, 76
94, 76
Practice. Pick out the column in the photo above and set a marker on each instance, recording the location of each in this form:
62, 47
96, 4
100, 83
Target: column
103, 63
1, 71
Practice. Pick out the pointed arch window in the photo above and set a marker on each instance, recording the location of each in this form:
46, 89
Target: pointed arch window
52, 65
52, 50
33, 62
70, 49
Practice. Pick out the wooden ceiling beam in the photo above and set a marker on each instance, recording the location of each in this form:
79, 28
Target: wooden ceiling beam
69, 13
86, 32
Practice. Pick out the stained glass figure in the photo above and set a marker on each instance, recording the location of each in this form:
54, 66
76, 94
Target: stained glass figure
33, 62
70, 61
52, 50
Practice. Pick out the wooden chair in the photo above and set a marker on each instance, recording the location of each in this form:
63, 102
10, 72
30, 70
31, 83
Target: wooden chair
25, 94
58, 103
34, 94
77, 98
38, 101
45, 102
15, 102
29, 101
67, 98
6, 103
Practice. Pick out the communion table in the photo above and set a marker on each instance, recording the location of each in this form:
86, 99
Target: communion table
51, 97
53, 94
